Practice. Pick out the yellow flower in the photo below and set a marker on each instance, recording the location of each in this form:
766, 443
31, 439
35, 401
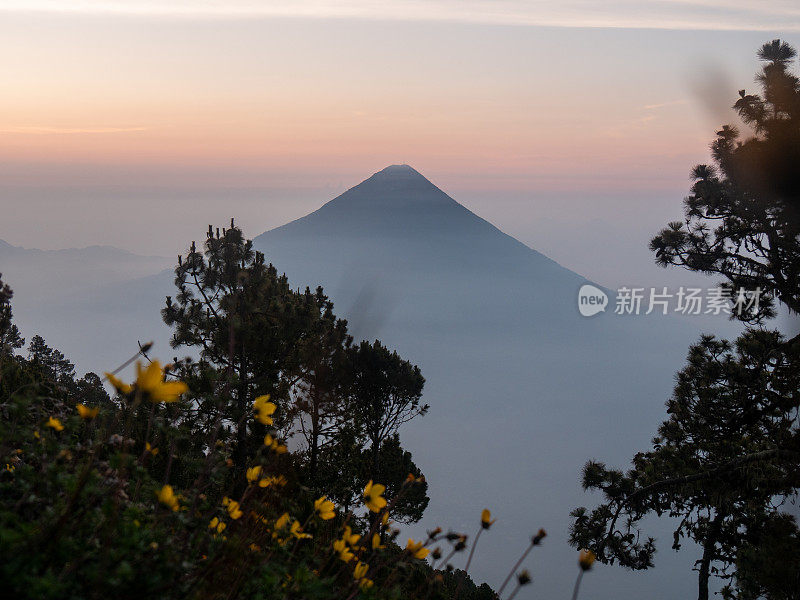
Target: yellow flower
324, 508
253, 473
417, 549
87, 413
586, 559
365, 583
340, 547
264, 410
297, 531
10, 468
119, 385
486, 518
350, 537
360, 570
273, 444
255, 548
233, 508
282, 521
373, 497
272, 480
217, 525
168, 498
385, 519
376, 542
148, 448
410, 478
54, 424
151, 381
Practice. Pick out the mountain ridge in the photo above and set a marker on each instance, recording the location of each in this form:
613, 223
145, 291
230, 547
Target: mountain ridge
92, 249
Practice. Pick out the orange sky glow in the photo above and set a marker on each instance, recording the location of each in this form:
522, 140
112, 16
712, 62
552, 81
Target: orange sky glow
525, 99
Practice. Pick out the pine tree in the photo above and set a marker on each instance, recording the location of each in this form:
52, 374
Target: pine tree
386, 392
320, 397
52, 363
10, 339
247, 324
257, 336
728, 455
742, 218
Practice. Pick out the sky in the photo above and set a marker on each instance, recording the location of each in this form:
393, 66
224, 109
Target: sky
573, 128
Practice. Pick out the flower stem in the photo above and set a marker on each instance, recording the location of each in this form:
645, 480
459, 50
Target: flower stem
514, 569
514, 593
577, 585
472, 550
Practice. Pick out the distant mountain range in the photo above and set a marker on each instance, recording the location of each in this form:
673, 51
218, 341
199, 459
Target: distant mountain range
523, 389
74, 268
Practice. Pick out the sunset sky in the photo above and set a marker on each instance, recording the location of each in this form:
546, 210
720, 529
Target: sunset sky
134, 123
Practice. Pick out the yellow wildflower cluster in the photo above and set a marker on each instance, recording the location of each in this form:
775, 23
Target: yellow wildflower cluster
217, 525
274, 445
359, 574
417, 549
349, 537
86, 413
297, 530
272, 480
344, 546
264, 410
150, 382
166, 495
253, 473
234, 511
256, 475
54, 424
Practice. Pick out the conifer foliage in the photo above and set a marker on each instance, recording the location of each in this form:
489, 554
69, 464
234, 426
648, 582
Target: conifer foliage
727, 458
257, 337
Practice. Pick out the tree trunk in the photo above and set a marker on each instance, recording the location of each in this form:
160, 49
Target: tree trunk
240, 454
708, 554
314, 458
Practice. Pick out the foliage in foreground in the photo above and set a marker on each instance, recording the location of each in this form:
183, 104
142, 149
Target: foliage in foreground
86, 510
